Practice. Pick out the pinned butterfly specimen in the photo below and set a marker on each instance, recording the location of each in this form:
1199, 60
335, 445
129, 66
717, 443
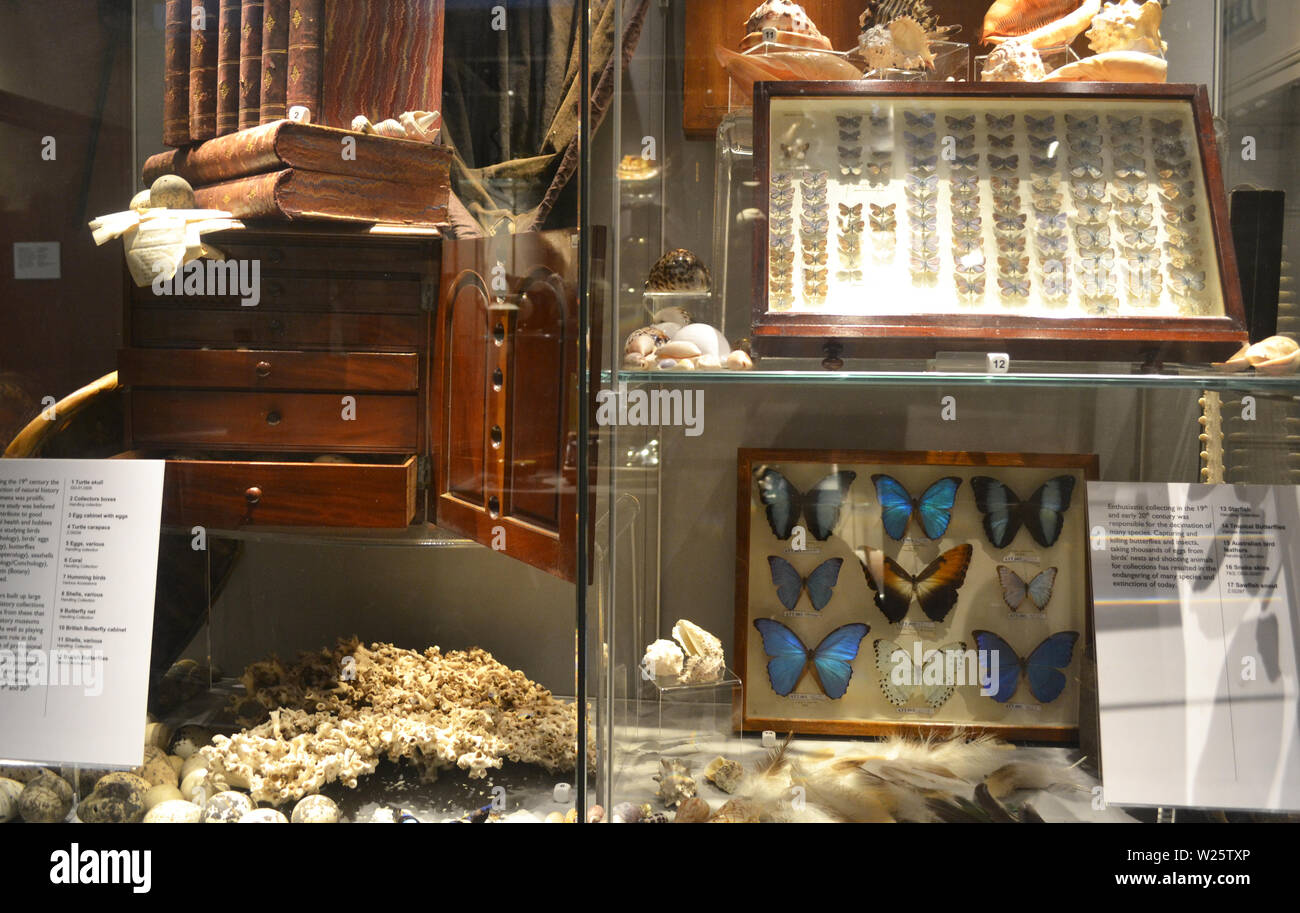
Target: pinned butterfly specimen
819, 506
1011, 244
1099, 285
850, 135
919, 120
1009, 223
1053, 222
1184, 282
1136, 213
1181, 258
1006, 204
1015, 591
925, 264
1177, 190
918, 140
1044, 145
1092, 237
1138, 237
817, 226
902, 680
924, 241
922, 187
1142, 259
1079, 124
1000, 124
1005, 184
1042, 668
1013, 287
1166, 128
1052, 245
934, 589
960, 124
1145, 283
877, 173
1089, 145
1093, 211
933, 509
789, 584
1043, 513
1173, 171
1056, 284
854, 211
1001, 142
969, 286
965, 185
923, 164
967, 162
1085, 170
961, 247
1132, 169
782, 225
1179, 237
925, 208
1004, 163
782, 179
962, 143
882, 217
964, 207
1099, 263
1040, 124
1179, 215
782, 242
877, 119
1124, 126
1171, 150
796, 151
1046, 184
848, 121
830, 663
963, 225
1083, 191
849, 275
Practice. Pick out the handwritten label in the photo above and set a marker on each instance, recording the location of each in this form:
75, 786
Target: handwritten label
1032, 708
1022, 558
807, 697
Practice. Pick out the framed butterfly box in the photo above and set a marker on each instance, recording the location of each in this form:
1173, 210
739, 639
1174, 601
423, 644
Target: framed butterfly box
887, 591
1049, 221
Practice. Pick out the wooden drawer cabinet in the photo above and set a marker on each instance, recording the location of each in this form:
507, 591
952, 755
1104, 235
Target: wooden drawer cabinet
193, 327
260, 369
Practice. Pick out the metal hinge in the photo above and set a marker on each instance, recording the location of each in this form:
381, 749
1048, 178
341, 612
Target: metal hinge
423, 471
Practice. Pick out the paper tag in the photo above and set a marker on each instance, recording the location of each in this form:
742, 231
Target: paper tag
1032, 708
1022, 558
807, 697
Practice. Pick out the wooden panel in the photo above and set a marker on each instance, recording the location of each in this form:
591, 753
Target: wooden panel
467, 380
231, 494
256, 327
302, 293
273, 421
536, 432
352, 372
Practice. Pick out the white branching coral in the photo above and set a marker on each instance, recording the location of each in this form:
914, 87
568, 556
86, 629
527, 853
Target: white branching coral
460, 709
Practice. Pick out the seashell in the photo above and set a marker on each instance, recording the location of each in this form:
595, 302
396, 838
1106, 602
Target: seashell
423, 126
663, 659
739, 361
635, 362
555, 818
315, 809
1275, 355
1237, 362
708, 362
1113, 66
910, 40
1014, 60
666, 364
679, 271
675, 314
645, 340
174, 811
800, 65
571, 816
264, 816
195, 786
704, 658
655, 818
595, 814
737, 811
882, 12
626, 813
45, 799
692, 811
1015, 18
171, 191
785, 16
707, 339
684, 364
362, 124
900, 45
226, 808
119, 798
669, 328
724, 774
391, 128
683, 349
156, 795
22, 773
1128, 26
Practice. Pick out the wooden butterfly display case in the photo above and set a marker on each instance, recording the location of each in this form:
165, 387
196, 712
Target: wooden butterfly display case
887, 591
1051, 222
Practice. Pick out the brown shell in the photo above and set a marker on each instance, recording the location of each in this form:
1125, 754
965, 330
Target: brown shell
679, 271
737, 811
1010, 18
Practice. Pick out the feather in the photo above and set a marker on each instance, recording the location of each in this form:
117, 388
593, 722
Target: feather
1018, 775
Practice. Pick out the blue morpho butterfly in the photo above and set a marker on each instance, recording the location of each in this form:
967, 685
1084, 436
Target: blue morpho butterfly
1015, 590
789, 584
933, 509
1004, 513
934, 588
820, 505
1042, 667
789, 660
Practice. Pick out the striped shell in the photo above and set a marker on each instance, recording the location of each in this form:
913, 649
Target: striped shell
1011, 18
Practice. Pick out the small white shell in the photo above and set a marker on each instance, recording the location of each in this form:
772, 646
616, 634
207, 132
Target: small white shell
685, 364
739, 361
391, 128
682, 349
362, 124
174, 811
666, 364
634, 361
708, 362
709, 340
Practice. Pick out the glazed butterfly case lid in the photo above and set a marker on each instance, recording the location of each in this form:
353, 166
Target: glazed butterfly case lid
1087, 303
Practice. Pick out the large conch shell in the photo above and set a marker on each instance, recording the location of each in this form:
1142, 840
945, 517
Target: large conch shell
911, 41
747, 69
1113, 66
1128, 26
1045, 23
1275, 355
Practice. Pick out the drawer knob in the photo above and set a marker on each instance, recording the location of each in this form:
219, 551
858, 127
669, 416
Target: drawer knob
273, 417
253, 495
274, 254
263, 369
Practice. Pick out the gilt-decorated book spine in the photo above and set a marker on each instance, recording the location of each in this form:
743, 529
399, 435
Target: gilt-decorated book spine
275, 59
250, 63
228, 68
305, 37
176, 72
204, 19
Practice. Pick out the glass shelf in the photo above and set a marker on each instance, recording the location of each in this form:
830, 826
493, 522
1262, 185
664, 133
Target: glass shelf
419, 535
815, 377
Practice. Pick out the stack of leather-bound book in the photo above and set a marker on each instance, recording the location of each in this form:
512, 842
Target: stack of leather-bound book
234, 70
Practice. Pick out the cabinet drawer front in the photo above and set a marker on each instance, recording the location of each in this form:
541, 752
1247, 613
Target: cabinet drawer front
303, 293
354, 372
230, 494
385, 258
254, 327
315, 422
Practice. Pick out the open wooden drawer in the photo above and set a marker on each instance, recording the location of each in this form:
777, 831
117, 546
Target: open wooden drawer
375, 492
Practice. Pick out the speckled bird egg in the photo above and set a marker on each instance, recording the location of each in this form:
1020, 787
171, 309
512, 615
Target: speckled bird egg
679, 271
264, 816
172, 192
45, 799
119, 798
226, 808
174, 811
315, 810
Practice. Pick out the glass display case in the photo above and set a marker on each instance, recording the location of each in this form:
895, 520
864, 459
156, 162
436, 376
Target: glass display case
879, 456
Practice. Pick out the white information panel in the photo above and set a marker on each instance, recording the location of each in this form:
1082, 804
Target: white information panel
78, 562
1197, 643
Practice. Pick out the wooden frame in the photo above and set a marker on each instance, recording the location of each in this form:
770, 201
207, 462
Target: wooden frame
1154, 339
864, 709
